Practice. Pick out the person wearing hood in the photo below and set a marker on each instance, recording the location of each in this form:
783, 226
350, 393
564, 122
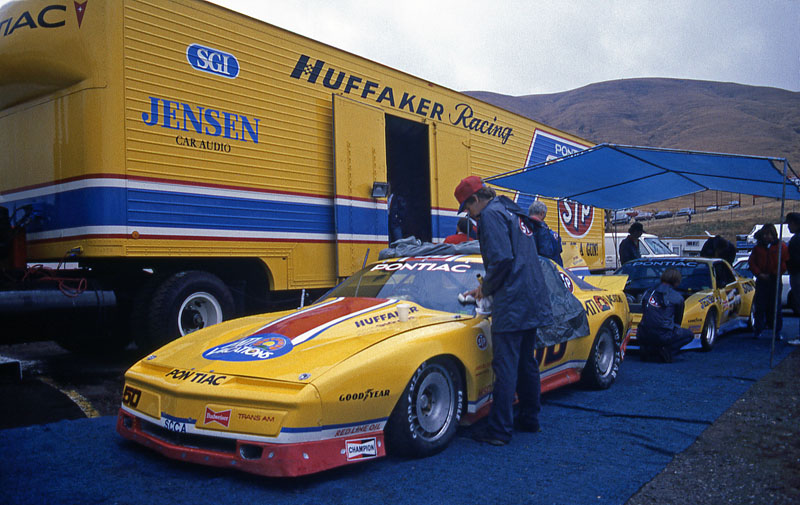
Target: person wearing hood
660, 334
521, 304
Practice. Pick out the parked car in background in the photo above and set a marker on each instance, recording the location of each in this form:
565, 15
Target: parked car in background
712, 208
686, 211
663, 214
644, 216
620, 217
715, 296
650, 246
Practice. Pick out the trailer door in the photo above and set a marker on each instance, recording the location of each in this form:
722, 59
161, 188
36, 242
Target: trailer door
361, 222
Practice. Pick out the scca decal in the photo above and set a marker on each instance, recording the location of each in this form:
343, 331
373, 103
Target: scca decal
196, 377
257, 347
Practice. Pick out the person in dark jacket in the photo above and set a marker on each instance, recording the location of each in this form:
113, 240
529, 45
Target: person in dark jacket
718, 247
793, 265
548, 243
629, 247
660, 334
520, 305
764, 265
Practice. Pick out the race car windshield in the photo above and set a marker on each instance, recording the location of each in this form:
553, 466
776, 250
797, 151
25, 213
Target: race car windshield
642, 275
434, 284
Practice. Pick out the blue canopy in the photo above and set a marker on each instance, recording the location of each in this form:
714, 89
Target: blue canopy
612, 176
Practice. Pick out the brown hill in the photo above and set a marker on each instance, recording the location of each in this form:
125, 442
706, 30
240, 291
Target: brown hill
673, 113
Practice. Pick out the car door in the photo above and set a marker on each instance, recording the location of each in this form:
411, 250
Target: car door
729, 292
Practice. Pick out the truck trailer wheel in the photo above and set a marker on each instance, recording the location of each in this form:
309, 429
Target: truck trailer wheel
183, 303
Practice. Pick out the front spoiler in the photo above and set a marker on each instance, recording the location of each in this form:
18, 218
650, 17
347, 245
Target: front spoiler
272, 460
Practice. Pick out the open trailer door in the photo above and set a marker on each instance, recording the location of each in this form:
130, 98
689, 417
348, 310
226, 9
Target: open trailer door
361, 221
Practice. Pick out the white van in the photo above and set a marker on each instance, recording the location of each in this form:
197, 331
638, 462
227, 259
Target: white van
649, 245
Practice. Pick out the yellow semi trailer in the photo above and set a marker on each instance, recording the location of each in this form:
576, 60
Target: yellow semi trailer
194, 160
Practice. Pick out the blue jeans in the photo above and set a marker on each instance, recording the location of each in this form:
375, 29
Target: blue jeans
515, 370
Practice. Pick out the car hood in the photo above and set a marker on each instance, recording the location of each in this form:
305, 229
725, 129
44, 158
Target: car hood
296, 345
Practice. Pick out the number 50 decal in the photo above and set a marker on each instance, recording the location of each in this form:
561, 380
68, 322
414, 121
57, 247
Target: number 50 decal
131, 396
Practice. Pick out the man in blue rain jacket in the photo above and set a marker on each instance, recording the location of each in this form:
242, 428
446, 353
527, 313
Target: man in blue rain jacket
520, 305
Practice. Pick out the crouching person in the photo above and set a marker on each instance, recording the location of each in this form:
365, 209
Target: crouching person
660, 334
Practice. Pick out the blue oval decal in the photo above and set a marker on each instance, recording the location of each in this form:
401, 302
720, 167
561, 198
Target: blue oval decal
212, 61
256, 347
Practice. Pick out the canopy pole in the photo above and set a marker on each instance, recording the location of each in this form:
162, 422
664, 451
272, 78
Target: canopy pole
779, 282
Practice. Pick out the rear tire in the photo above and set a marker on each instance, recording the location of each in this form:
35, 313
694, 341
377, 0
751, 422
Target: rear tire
602, 366
709, 335
426, 416
185, 302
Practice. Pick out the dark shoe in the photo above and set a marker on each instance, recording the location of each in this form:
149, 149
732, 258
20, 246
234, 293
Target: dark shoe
665, 355
487, 438
529, 427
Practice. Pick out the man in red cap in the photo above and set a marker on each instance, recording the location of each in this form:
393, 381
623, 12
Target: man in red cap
520, 306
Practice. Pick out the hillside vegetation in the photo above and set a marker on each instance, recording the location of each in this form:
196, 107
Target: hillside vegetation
679, 114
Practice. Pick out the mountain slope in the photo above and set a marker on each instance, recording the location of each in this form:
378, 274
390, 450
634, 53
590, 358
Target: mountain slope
673, 113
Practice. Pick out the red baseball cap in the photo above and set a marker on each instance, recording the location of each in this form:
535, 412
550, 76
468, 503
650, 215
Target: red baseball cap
466, 188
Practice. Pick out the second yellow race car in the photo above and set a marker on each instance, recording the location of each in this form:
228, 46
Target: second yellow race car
716, 297
389, 359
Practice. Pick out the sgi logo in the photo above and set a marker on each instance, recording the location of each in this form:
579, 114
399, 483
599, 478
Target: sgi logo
212, 61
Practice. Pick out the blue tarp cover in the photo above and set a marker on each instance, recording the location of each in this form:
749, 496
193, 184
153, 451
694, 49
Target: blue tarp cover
615, 177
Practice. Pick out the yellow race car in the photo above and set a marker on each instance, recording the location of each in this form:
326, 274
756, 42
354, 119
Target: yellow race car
716, 297
391, 358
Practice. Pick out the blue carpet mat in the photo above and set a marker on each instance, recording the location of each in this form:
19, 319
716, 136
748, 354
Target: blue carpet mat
596, 447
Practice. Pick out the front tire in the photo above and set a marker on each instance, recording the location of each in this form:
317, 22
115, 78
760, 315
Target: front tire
602, 366
426, 417
709, 335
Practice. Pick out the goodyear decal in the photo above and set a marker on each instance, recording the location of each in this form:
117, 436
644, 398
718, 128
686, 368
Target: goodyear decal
281, 336
362, 396
319, 73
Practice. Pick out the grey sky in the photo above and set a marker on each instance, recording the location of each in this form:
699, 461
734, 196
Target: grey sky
547, 46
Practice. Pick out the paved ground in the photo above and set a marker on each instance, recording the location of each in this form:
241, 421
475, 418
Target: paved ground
748, 454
